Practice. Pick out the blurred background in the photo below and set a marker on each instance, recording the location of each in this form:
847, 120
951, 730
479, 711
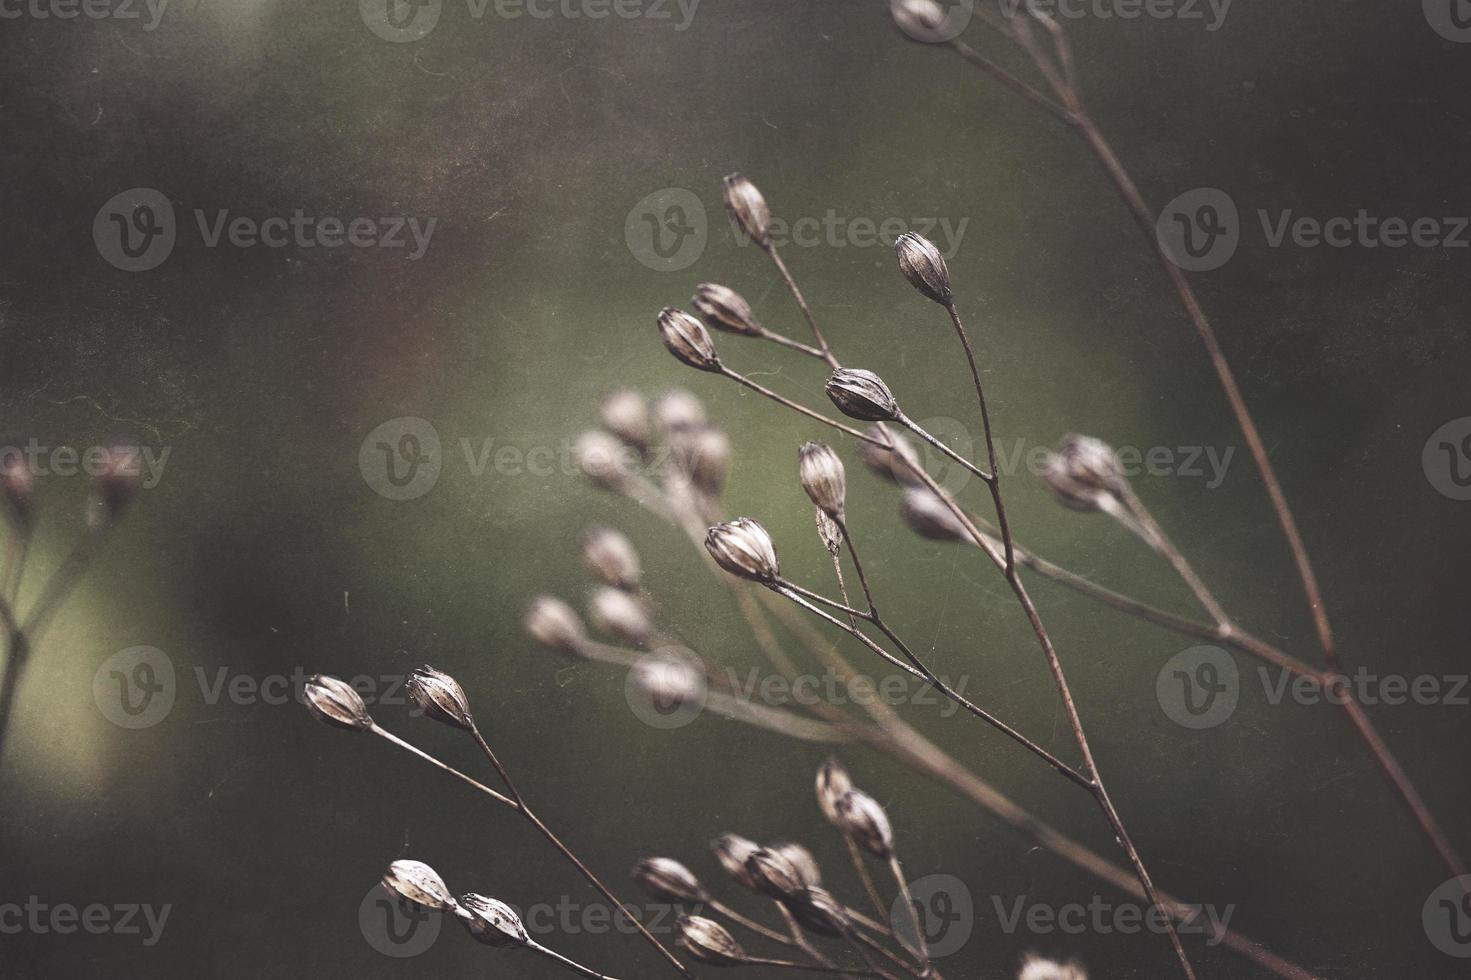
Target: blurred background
537, 156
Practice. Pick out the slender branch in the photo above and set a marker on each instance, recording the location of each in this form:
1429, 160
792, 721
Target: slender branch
721, 909
993, 484
791, 344
781, 267
572, 965
914, 427
412, 749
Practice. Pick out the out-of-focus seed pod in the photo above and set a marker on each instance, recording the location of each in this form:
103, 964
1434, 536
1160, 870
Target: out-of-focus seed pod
612, 557
725, 309
554, 624
802, 860
710, 942
625, 414
818, 909
833, 783
1085, 474
18, 487
774, 874
866, 823
676, 410
733, 852
890, 463
748, 208
117, 481
666, 880
704, 455
619, 614
1037, 968
602, 459
929, 517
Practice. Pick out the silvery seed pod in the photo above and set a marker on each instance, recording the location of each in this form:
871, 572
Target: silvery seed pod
118, 479
748, 208
818, 909
676, 410
917, 18
334, 702
703, 454
602, 459
929, 517
666, 880
866, 823
833, 783
733, 851
669, 681
687, 339
744, 549
774, 874
554, 624
861, 394
625, 414
492, 922
418, 883
823, 477
890, 463
612, 557
1085, 474
725, 309
1036, 968
924, 267
619, 614
18, 485
440, 697
802, 860
710, 942
829, 532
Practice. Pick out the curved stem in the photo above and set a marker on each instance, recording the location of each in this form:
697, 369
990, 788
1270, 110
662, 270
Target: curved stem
572, 965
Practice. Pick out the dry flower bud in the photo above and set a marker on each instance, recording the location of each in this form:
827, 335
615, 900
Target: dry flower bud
823, 477
677, 409
554, 624
710, 942
626, 415
829, 532
601, 458
744, 549
924, 267
1085, 474
929, 517
893, 460
703, 454
612, 557
118, 478
725, 309
802, 860
492, 922
18, 486
619, 614
333, 701
918, 18
669, 681
748, 208
833, 783
440, 697
687, 339
418, 883
733, 851
774, 874
1036, 968
866, 823
819, 910
667, 880
861, 394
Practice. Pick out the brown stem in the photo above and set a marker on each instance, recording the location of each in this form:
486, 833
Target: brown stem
826, 351
993, 484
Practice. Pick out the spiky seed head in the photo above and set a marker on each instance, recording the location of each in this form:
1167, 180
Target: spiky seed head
725, 309
117, 481
554, 624
917, 18
612, 558
416, 882
625, 413
823, 477
924, 267
440, 697
677, 409
866, 823
802, 860
687, 339
18, 486
774, 874
704, 455
334, 702
492, 922
1035, 967
733, 852
666, 880
602, 459
862, 395
743, 548
1085, 474
619, 614
748, 209
819, 910
890, 456
710, 942
929, 517
833, 783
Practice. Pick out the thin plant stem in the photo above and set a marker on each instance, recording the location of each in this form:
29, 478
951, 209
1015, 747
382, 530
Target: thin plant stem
781, 267
789, 343
412, 749
866, 878
557, 957
809, 967
919, 937
803, 409
914, 427
1155, 536
721, 908
993, 484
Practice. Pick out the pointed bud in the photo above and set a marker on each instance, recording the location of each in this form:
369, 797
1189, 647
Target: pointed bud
418, 883
748, 209
744, 549
116, 484
710, 942
866, 823
823, 477
554, 624
774, 874
929, 517
666, 880
440, 697
492, 922
687, 339
612, 557
733, 851
802, 859
893, 459
833, 783
924, 267
619, 614
334, 702
677, 409
1036, 968
1085, 474
819, 910
625, 414
17, 485
725, 309
704, 455
603, 459
862, 395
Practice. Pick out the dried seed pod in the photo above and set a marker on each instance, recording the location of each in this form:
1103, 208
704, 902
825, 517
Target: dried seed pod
802, 860
894, 461
818, 909
418, 883
725, 309
1036, 968
774, 874
602, 459
710, 942
619, 614
862, 395
333, 701
1085, 474
117, 481
829, 532
492, 922
612, 557
918, 18
733, 851
666, 880
833, 783
743, 548
554, 624
704, 455
687, 339
823, 477
625, 414
924, 267
17, 485
866, 823
440, 697
676, 410
669, 681
748, 208
929, 517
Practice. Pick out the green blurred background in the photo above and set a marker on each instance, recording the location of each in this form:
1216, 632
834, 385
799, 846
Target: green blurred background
262, 551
